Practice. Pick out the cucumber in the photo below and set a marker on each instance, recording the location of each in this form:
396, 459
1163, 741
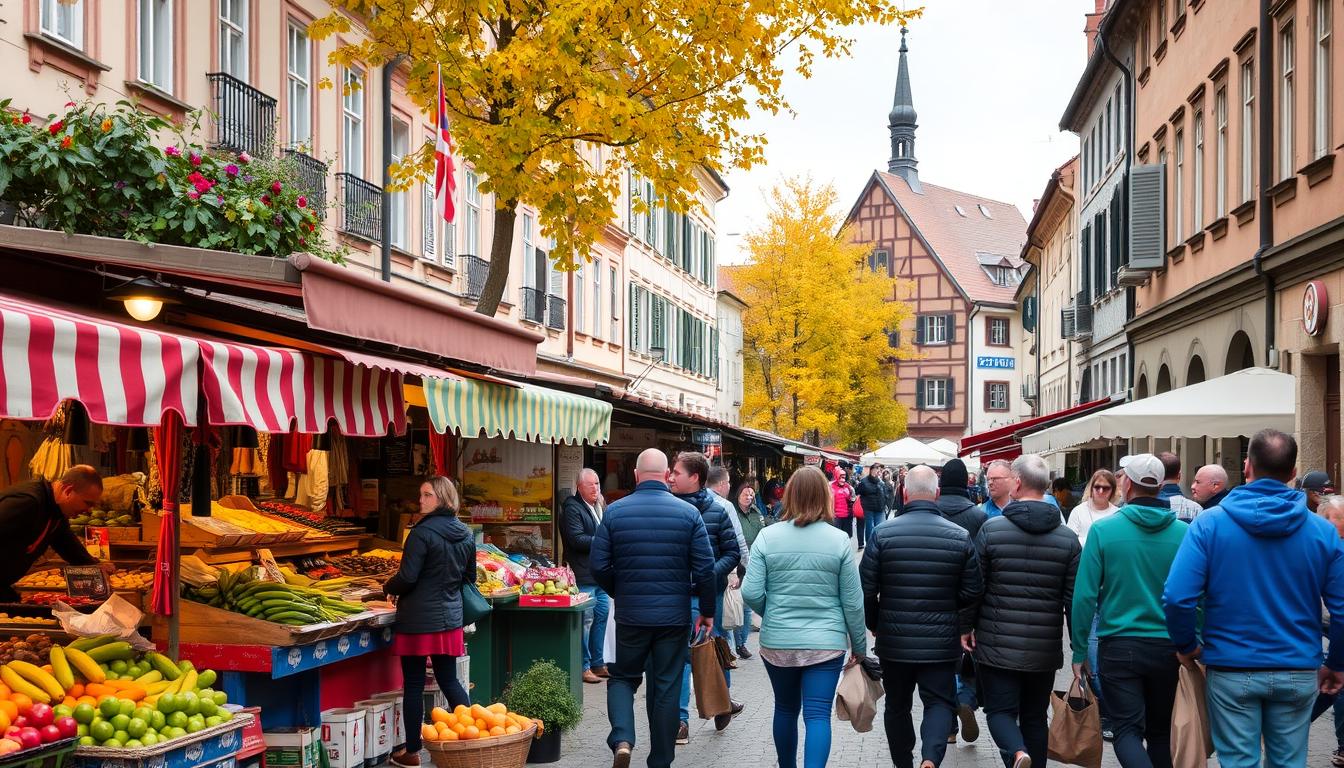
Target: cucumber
293, 617
89, 643
163, 665
118, 651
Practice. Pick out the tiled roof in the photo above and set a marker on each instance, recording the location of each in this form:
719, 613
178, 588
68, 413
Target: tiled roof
960, 238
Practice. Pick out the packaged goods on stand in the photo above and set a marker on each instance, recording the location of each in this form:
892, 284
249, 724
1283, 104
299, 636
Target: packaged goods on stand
363, 565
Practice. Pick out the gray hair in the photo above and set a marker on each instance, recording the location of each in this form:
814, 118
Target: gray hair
1032, 472
921, 483
998, 463
585, 472
1333, 503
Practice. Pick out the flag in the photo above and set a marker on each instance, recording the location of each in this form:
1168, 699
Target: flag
445, 185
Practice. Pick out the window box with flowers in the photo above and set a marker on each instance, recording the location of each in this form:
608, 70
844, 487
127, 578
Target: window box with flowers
101, 170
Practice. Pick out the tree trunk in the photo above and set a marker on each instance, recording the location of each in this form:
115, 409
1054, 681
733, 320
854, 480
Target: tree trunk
501, 254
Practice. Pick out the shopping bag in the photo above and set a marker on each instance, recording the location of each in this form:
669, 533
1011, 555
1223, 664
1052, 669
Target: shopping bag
725, 651
1075, 727
856, 696
1191, 740
711, 688
732, 609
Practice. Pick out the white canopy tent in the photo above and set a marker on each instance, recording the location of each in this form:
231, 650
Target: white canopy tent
943, 445
907, 450
1240, 403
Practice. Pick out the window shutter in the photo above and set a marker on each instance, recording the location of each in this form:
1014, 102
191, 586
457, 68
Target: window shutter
919, 330
919, 394
1099, 257
1113, 267
1086, 263
1066, 322
1147, 217
894, 339
1029, 314
951, 394
951, 328
632, 311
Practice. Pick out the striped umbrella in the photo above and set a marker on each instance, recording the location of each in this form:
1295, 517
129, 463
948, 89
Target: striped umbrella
168, 453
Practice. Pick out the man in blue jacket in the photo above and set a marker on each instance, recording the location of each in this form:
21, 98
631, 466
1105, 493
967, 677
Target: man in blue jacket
649, 551
688, 478
1260, 563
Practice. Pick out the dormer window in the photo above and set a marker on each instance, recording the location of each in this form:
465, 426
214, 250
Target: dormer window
984, 211
960, 211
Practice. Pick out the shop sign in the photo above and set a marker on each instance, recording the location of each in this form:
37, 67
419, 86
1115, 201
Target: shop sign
628, 437
89, 581
1315, 308
706, 436
812, 460
1001, 363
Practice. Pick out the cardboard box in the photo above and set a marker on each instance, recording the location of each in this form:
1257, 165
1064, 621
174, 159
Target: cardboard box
254, 741
377, 730
293, 747
464, 673
550, 601
398, 720
343, 737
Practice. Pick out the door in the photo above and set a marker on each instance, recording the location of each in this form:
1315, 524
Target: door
1332, 416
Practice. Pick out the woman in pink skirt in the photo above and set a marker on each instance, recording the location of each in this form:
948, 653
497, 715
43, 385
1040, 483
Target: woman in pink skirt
438, 560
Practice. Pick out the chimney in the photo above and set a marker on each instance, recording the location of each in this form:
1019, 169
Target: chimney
1093, 24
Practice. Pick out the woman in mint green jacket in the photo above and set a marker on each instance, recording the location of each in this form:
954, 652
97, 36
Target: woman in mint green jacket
804, 583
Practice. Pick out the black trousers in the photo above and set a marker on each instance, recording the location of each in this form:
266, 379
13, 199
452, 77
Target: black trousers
1016, 704
937, 685
1139, 675
413, 692
845, 524
655, 654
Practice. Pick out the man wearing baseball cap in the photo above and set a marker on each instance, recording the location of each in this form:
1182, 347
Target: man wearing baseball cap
1120, 576
1317, 486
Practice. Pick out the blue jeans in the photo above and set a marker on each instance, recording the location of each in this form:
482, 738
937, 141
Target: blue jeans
594, 628
809, 690
655, 653
871, 520
1246, 707
966, 692
1092, 661
741, 634
686, 671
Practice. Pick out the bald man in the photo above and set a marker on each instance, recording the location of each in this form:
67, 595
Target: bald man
1210, 486
648, 552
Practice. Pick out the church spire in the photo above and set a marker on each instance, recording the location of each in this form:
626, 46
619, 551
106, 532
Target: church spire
902, 123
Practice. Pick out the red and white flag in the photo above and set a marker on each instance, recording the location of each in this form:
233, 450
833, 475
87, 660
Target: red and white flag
445, 185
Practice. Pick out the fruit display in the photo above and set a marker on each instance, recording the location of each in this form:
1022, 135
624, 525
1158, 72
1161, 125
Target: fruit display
550, 581
32, 649
32, 621
51, 598
475, 722
383, 553
253, 521
122, 580
52, 578
308, 518
363, 565
291, 604
318, 569
497, 575
102, 518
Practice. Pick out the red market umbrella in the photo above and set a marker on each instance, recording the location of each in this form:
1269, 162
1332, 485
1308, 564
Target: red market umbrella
168, 454
440, 451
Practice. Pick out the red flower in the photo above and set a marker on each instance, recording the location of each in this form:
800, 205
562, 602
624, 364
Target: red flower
195, 159
276, 187
303, 201
308, 225
195, 176
27, 118
265, 199
69, 103
66, 142
56, 127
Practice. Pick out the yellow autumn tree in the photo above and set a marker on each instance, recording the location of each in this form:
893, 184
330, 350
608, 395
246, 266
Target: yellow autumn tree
815, 349
532, 88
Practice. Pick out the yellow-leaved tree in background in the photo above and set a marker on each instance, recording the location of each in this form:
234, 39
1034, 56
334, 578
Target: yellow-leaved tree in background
534, 88
815, 344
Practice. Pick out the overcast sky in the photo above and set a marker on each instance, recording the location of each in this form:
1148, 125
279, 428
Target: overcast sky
990, 81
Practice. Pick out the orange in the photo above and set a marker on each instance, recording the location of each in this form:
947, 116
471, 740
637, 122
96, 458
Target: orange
10, 709
448, 735
458, 728
481, 725
438, 715
471, 732
512, 729
428, 733
69, 701
21, 701
4, 691
497, 730
497, 708
4, 722
76, 690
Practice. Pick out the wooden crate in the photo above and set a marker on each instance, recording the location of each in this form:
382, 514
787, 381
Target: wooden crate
201, 623
245, 504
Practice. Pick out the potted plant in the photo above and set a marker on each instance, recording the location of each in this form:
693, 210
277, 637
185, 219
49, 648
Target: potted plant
542, 692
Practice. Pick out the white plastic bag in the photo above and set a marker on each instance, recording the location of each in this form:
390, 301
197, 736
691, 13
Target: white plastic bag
732, 609
115, 617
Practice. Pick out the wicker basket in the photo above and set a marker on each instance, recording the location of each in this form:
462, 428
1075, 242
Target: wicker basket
499, 752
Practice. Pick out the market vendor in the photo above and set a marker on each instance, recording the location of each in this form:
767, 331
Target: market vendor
36, 514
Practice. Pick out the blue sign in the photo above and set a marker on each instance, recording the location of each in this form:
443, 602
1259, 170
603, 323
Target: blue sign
1007, 363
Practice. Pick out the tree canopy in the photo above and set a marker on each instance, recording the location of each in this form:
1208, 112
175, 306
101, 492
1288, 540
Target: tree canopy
533, 87
815, 345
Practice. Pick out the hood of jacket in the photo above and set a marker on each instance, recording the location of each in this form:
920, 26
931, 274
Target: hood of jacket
951, 504
1267, 508
1033, 516
444, 523
1149, 513
922, 505
1216, 498
702, 500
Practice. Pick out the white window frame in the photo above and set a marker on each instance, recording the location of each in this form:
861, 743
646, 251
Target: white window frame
1321, 102
399, 204
613, 285
352, 122
472, 228
992, 390
598, 268
155, 25
1197, 198
63, 22
1287, 99
299, 86
1220, 153
233, 32
931, 323
580, 300
938, 386
1247, 131
530, 254
1178, 187
998, 339
429, 229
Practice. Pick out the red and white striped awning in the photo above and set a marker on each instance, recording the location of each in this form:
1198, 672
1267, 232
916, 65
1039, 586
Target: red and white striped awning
130, 376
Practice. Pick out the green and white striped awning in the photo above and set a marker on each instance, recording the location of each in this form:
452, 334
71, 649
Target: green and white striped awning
472, 408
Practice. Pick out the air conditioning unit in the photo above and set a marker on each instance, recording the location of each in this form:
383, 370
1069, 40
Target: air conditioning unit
1029, 389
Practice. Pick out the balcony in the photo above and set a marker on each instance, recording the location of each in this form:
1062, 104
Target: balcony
363, 207
474, 270
244, 116
534, 305
310, 174
555, 313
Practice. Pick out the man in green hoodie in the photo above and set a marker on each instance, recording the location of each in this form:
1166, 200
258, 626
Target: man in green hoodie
1125, 561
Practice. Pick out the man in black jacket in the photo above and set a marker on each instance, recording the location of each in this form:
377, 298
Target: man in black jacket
1029, 560
580, 515
873, 497
954, 502
921, 581
35, 515
687, 480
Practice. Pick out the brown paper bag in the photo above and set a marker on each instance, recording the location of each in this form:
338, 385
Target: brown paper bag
1191, 740
1075, 727
711, 689
856, 697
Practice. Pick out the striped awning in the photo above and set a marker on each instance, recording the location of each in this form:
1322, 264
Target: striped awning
132, 376
472, 408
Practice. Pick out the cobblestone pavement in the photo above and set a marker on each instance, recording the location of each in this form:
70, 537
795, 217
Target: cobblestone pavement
748, 743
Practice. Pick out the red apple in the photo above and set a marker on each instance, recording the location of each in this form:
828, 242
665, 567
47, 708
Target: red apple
67, 726
21, 721
49, 733
41, 715
29, 738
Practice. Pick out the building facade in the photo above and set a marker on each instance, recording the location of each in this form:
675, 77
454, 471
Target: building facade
1050, 288
648, 283
954, 257
729, 362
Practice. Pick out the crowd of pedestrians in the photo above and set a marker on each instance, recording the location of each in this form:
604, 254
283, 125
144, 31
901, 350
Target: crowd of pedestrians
975, 605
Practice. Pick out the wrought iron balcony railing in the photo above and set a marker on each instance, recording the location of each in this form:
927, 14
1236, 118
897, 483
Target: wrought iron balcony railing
312, 179
474, 270
534, 305
244, 116
363, 207
555, 313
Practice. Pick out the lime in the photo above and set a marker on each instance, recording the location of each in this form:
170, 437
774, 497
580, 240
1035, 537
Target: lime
126, 706
135, 670
195, 725
143, 713
101, 730
134, 744
136, 727
177, 733
81, 730
193, 705
211, 722
119, 667
186, 666
225, 715
121, 721
121, 736
177, 720
83, 714
209, 707
112, 744
157, 720
86, 741
168, 703
110, 707
150, 739
61, 710
221, 698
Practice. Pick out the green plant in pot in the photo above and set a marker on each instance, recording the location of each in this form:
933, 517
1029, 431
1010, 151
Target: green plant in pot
543, 692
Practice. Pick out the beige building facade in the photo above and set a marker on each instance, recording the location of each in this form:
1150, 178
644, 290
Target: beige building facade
1050, 287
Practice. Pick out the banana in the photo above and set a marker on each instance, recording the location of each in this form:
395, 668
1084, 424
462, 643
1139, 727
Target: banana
85, 665
60, 668
39, 677
17, 684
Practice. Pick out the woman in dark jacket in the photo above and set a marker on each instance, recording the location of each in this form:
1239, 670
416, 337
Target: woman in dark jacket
437, 562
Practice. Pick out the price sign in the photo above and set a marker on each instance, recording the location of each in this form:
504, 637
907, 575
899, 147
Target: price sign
87, 581
270, 570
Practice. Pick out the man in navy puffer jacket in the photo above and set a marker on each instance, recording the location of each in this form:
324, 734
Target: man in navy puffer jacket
649, 550
1261, 564
687, 480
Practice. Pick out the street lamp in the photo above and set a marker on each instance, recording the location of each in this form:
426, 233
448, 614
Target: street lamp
143, 297
657, 353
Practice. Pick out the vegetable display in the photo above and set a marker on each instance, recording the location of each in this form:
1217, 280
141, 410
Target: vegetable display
287, 603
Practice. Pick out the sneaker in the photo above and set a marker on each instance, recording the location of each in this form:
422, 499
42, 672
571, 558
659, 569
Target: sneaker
1337, 759
742, 652
1022, 760
1107, 734
970, 730
405, 759
927, 764
621, 757
683, 734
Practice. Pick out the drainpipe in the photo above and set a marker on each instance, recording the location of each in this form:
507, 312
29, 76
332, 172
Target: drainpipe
1130, 303
385, 232
970, 368
569, 326
1039, 408
1266, 173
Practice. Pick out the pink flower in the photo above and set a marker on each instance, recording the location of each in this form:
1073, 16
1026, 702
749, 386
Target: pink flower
219, 199
303, 201
69, 103
302, 241
277, 221
244, 158
265, 199
56, 127
194, 195
195, 159
172, 151
231, 169
275, 188
195, 177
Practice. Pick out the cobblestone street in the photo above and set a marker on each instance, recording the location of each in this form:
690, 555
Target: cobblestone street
748, 743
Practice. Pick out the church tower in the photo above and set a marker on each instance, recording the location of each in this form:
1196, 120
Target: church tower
902, 123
